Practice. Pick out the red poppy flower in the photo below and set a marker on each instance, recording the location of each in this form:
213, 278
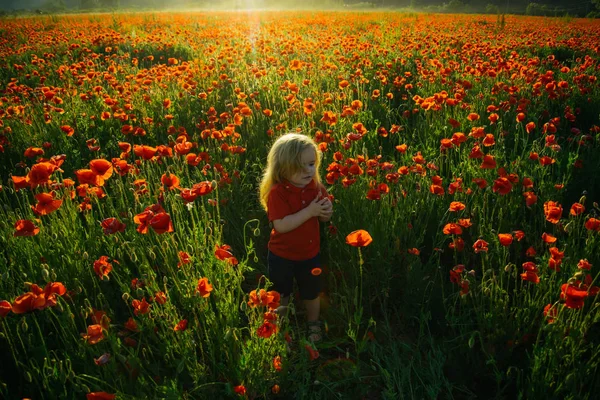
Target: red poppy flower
359, 238
266, 330
312, 353
112, 225
170, 181
574, 296
101, 396
181, 325
270, 299
553, 211
480, 245
592, 224
530, 198
488, 162
131, 325
102, 267
456, 206
530, 276
240, 389
577, 209
502, 186
46, 203
530, 252
102, 168
277, 364
161, 223
551, 313
94, 334
505, 239
452, 229
519, 235
24, 227
584, 264
160, 297
204, 288
140, 307
5, 308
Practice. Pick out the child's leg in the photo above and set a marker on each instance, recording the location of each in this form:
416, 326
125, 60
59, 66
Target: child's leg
283, 306
313, 309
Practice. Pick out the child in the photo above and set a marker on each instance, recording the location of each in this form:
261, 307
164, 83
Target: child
295, 200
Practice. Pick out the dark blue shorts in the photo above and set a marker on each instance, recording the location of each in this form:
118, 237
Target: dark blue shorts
283, 271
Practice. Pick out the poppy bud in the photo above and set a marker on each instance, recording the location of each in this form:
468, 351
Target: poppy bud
152, 254
85, 255
125, 297
208, 231
257, 232
165, 245
165, 279
255, 259
508, 268
578, 275
24, 326
45, 274
28, 377
53, 275
139, 292
582, 199
213, 184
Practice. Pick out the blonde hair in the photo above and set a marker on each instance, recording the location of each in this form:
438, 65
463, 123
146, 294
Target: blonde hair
284, 160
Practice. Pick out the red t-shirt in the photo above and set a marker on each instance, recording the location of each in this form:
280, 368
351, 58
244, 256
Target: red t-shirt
302, 243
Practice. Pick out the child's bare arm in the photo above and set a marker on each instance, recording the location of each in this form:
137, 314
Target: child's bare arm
292, 221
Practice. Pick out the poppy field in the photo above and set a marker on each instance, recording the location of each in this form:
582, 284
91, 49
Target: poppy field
461, 152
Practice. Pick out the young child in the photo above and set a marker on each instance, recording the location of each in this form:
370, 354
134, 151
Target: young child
295, 200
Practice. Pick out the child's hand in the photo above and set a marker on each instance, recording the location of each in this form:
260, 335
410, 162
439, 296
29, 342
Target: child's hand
318, 206
327, 211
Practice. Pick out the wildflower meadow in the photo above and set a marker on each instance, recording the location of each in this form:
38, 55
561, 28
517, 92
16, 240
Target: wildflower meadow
461, 152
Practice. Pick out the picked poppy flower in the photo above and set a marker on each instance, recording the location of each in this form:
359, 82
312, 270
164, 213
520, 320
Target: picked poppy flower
24, 227
204, 288
112, 225
103, 359
359, 238
414, 251
181, 326
94, 334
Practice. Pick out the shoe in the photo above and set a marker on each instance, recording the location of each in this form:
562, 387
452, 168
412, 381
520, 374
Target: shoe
315, 331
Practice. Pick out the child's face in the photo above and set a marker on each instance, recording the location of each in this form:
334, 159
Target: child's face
302, 177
